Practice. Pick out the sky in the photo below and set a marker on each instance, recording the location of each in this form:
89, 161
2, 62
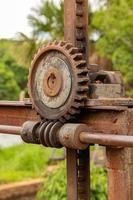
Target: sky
13, 16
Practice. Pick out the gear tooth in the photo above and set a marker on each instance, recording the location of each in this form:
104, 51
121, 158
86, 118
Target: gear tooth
78, 97
67, 46
82, 88
73, 50
49, 43
72, 111
83, 79
62, 43
82, 84
62, 120
81, 64
77, 104
67, 116
77, 56
82, 71
39, 50
81, 97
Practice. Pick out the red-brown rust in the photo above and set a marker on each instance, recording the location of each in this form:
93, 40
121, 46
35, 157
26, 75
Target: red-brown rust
76, 32
119, 161
72, 175
16, 113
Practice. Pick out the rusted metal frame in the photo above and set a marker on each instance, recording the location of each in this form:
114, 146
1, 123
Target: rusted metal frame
16, 113
76, 32
119, 161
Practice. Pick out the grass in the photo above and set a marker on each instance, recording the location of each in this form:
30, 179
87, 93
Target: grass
25, 161
22, 162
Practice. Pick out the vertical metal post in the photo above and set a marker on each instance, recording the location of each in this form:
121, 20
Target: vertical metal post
120, 163
120, 171
72, 176
76, 32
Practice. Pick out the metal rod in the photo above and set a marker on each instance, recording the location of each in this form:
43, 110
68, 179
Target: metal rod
107, 139
13, 130
72, 174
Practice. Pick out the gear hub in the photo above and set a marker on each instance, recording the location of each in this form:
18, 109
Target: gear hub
58, 81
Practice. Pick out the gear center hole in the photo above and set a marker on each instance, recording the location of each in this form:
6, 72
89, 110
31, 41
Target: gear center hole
51, 80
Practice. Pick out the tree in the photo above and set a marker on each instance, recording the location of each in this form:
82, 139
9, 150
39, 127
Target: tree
47, 20
13, 77
27, 46
114, 28
9, 89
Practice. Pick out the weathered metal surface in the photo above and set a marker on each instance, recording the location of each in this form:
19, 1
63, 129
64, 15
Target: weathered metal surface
83, 174
106, 77
76, 24
29, 132
107, 140
76, 32
105, 116
105, 90
119, 161
69, 135
127, 102
14, 130
118, 104
52, 82
72, 174
63, 95
16, 113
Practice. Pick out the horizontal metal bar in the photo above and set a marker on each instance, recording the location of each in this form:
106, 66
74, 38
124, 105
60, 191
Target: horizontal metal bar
13, 130
16, 103
106, 139
83, 137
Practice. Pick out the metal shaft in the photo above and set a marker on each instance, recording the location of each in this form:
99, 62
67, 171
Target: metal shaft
14, 130
107, 139
84, 137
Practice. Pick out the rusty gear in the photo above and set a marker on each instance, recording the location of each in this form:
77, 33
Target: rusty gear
58, 81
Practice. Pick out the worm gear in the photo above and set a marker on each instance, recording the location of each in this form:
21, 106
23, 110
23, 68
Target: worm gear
58, 81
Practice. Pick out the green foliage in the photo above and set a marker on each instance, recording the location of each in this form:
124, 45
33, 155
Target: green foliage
98, 183
22, 162
48, 18
13, 77
27, 46
55, 184
8, 86
114, 25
